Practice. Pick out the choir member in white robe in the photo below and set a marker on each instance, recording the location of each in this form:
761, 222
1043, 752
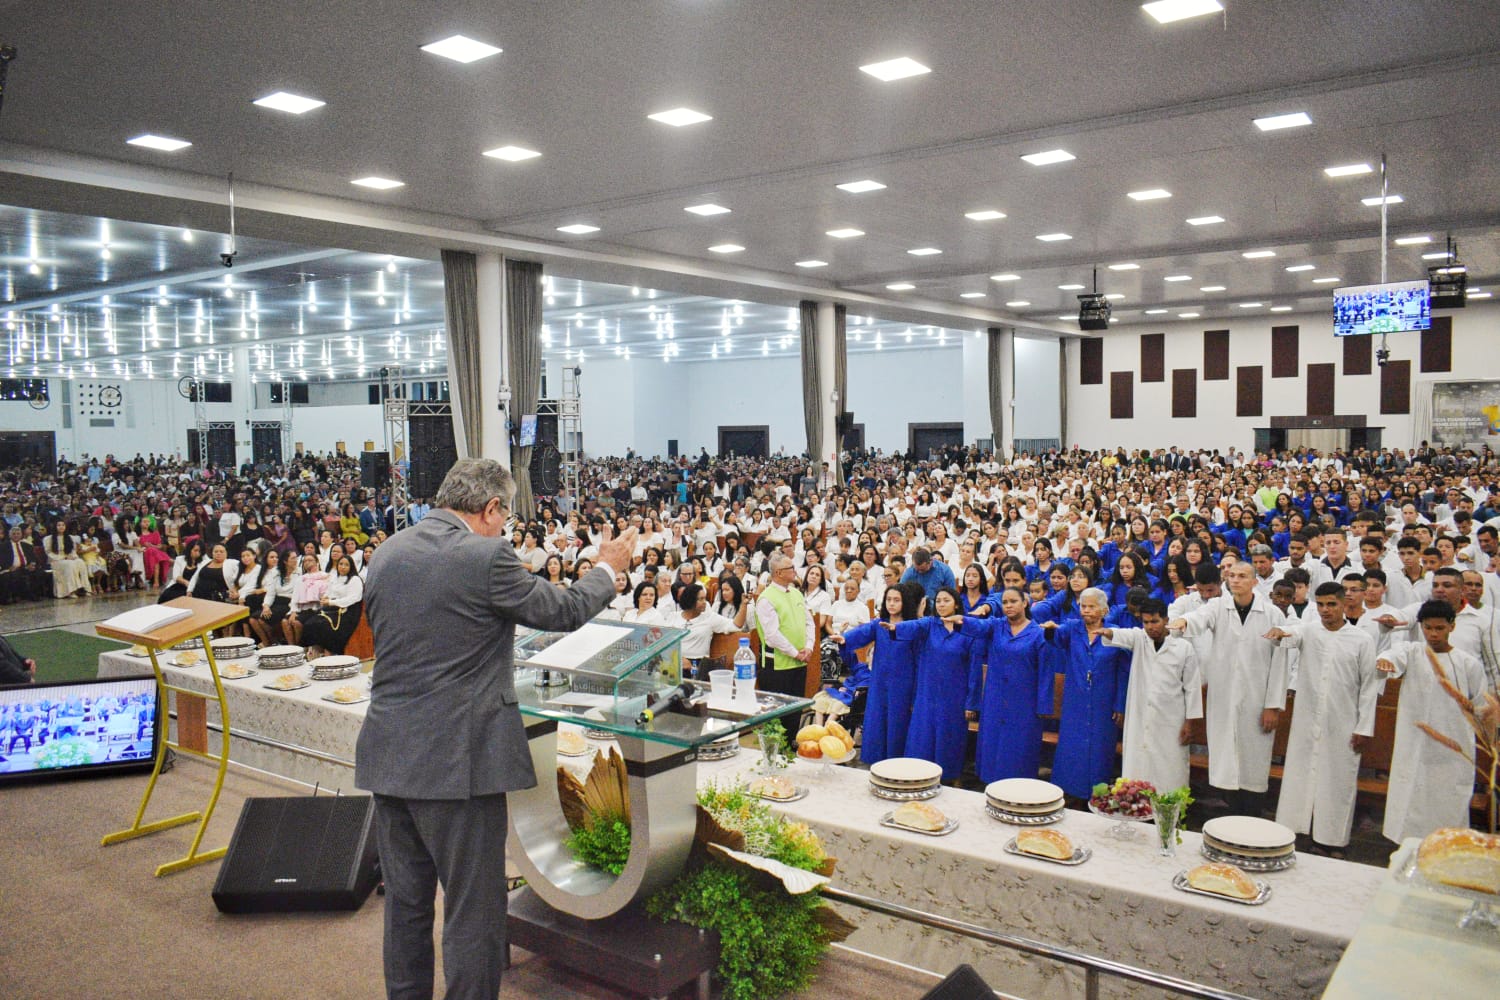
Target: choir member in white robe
1430, 785
1332, 721
1165, 691
1246, 676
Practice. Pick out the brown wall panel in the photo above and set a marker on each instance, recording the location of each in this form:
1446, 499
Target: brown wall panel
1215, 355
1284, 352
1357, 354
1091, 361
1320, 379
1437, 345
1121, 395
1247, 390
1395, 387
1185, 392
1153, 357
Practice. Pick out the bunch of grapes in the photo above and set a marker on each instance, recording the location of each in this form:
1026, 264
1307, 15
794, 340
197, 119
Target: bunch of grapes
1126, 797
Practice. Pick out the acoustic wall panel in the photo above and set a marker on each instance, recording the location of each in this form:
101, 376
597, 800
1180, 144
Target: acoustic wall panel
1184, 392
1284, 352
1153, 357
1248, 391
1121, 395
1215, 355
1091, 361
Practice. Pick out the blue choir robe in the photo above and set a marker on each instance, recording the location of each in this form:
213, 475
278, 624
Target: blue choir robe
893, 680
1013, 693
968, 607
1054, 609
947, 664
1094, 687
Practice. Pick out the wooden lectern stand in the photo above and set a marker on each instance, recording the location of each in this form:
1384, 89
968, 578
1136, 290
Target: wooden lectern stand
192, 722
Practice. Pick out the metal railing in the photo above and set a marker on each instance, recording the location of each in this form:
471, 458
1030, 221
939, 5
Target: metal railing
1093, 966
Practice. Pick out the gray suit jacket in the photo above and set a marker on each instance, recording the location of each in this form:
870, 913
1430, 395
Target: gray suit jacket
443, 604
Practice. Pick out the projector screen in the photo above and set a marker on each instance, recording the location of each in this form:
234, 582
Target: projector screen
80, 727
1396, 307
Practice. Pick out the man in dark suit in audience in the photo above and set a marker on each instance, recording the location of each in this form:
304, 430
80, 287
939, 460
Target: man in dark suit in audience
443, 739
21, 574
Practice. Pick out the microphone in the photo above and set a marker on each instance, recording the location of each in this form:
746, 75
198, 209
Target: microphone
677, 697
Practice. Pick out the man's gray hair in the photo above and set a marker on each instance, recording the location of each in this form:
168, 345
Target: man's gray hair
1095, 596
1262, 550
779, 561
474, 482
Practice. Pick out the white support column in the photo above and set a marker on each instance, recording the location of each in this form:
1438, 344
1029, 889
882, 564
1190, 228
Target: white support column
494, 358
1006, 446
242, 393
828, 450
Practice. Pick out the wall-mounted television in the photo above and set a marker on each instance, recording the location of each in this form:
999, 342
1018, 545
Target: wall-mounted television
78, 727
1394, 307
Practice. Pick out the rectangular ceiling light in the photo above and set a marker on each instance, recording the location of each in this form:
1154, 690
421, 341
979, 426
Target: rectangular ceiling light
1348, 170
378, 183
900, 286
708, 209
461, 49
1271, 123
678, 117
1005, 277
512, 154
1206, 220
860, 187
1154, 312
1167, 11
1390, 199
1070, 288
1153, 194
925, 252
1054, 237
1258, 254
1048, 157
1413, 241
895, 69
578, 229
1115, 296
1188, 315
984, 215
1211, 288
812, 263
1281, 309
1249, 305
1436, 255
159, 142
1017, 304
1124, 267
1302, 267
725, 248
292, 104
971, 295
1325, 281
1178, 277
845, 234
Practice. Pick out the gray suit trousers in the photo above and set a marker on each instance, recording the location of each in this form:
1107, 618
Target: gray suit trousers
460, 844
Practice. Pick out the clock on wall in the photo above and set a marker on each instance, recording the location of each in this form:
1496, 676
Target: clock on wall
111, 396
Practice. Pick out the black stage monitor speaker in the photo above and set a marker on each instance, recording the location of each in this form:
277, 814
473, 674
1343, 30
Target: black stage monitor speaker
374, 468
963, 983
299, 853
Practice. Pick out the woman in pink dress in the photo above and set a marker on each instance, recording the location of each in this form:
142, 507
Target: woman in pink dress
158, 560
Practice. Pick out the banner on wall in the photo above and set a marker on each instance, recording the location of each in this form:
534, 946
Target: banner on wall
1466, 414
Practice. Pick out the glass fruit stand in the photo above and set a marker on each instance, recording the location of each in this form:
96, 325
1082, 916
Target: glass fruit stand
624, 679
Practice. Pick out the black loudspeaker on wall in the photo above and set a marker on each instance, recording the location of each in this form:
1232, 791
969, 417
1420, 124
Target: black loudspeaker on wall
374, 468
299, 853
963, 983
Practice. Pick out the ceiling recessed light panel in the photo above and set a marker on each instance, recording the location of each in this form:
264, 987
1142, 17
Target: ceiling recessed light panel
461, 49
1348, 170
708, 209
1258, 254
578, 229
895, 69
1114, 296
1413, 241
1124, 267
809, 264
1188, 315
1272, 123
1250, 305
1206, 220
1302, 267
984, 215
900, 286
1281, 309
292, 104
845, 234
1476, 294
1049, 157
1212, 288
1155, 312
1178, 277
1054, 237
1167, 11
378, 183
678, 117
1390, 199
1005, 277
159, 142
512, 154
925, 252
725, 248
860, 187
1069, 288
1153, 194
1017, 304
1325, 281
971, 295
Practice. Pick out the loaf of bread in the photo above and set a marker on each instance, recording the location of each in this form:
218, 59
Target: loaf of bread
1467, 859
572, 743
920, 816
773, 787
1226, 880
1047, 843
813, 733
832, 746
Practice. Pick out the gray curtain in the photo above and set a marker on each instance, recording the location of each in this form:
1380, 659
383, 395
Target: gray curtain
840, 377
812, 403
461, 309
523, 325
996, 370
1062, 393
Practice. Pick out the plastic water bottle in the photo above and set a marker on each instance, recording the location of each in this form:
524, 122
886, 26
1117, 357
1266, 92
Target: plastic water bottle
744, 669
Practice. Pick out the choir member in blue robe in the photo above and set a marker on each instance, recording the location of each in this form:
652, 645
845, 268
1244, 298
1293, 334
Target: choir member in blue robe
893, 673
1095, 680
948, 661
1015, 691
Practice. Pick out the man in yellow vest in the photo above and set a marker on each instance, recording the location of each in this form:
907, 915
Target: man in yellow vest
786, 629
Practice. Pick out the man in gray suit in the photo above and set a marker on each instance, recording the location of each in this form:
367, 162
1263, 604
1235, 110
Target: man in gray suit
443, 740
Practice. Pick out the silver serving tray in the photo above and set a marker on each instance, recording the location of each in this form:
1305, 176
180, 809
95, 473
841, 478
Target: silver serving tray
948, 827
356, 701
1080, 854
919, 795
1180, 881
1016, 819
710, 752
237, 677
585, 752
298, 687
798, 793
334, 675
1280, 864
603, 735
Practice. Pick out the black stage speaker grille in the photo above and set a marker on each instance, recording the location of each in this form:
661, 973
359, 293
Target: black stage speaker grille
374, 468
963, 983
302, 853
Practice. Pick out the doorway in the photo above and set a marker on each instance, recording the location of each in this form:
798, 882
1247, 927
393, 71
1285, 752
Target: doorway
28, 448
747, 442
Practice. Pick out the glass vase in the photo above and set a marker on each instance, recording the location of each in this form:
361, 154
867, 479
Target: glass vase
1168, 820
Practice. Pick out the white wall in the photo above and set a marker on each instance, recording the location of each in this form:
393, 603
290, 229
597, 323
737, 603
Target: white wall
1038, 390
1476, 332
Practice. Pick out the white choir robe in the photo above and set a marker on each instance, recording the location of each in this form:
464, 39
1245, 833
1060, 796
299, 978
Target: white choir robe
1165, 690
1338, 686
1430, 785
1246, 674
1191, 601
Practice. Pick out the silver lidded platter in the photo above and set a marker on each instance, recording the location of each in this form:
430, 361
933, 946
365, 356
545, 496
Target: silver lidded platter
1019, 819
1280, 864
915, 795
